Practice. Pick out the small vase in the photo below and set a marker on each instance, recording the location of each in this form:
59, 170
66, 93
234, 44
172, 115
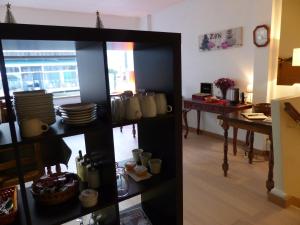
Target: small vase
224, 93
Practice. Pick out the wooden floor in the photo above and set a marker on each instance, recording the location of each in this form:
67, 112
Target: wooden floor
239, 199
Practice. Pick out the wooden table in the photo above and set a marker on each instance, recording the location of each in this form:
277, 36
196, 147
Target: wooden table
198, 105
237, 120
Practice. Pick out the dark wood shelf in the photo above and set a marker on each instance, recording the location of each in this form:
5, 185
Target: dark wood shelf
58, 129
129, 122
137, 188
52, 215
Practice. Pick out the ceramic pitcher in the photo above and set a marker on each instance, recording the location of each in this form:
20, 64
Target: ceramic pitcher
132, 108
33, 127
161, 104
118, 110
148, 106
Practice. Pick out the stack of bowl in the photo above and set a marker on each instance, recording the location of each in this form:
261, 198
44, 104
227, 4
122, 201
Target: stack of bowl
78, 113
34, 104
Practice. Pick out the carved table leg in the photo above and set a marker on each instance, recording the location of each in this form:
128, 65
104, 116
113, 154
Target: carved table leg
250, 155
198, 121
235, 132
184, 113
270, 181
225, 165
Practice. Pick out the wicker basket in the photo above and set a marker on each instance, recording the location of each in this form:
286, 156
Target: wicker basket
57, 198
10, 192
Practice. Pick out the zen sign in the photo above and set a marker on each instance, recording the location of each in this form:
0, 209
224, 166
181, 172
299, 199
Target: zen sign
230, 38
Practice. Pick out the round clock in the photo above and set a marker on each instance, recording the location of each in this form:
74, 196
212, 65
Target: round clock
261, 36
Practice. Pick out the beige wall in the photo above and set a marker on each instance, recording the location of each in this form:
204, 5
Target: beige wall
290, 32
286, 135
281, 40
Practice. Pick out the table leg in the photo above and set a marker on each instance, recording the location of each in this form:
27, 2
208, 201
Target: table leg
270, 181
235, 132
225, 165
133, 131
198, 121
247, 137
250, 154
185, 111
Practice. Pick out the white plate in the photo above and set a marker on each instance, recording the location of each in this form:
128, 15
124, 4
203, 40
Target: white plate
77, 107
78, 115
136, 178
78, 122
29, 93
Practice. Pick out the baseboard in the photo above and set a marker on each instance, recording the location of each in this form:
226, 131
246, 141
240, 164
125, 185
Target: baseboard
283, 200
239, 142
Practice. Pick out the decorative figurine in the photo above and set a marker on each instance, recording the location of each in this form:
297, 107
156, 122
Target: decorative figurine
99, 23
9, 18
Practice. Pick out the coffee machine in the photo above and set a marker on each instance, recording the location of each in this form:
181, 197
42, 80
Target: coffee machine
234, 96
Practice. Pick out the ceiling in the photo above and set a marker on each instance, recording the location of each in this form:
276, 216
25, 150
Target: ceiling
114, 7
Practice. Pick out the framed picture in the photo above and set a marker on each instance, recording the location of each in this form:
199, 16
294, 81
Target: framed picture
225, 39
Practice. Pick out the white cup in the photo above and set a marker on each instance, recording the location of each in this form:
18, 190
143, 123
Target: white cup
145, 157
33, 127
136, 154
155, 165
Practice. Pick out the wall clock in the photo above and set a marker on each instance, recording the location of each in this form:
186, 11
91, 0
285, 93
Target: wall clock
261, 36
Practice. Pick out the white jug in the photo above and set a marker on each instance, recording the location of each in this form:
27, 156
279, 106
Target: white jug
132, 108
161, 104
148, 106
33, 127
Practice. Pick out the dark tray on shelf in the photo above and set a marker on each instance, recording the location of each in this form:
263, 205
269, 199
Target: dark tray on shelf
129, 122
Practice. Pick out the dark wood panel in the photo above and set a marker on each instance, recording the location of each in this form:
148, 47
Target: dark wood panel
288, 74
154, 68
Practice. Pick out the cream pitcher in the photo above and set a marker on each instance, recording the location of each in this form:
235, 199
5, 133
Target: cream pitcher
132, 108
33, 127
148, 106
161, 104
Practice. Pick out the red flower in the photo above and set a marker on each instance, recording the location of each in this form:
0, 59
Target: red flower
224, 83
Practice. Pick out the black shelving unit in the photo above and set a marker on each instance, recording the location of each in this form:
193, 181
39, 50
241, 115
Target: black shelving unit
157, 66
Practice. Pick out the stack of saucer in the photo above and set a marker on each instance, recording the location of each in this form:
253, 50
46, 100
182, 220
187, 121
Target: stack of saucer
79, 113
34, 104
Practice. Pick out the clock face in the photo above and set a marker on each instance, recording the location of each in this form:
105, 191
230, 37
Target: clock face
261, 36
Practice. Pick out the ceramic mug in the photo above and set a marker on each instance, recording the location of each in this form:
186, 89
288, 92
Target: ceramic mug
132, 108
155, 165
161, 104
148, 106
33, 127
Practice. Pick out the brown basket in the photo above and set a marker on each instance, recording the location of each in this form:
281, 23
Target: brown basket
56, 198
10, 192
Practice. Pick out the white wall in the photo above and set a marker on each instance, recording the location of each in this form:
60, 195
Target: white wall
63, 18
195, 17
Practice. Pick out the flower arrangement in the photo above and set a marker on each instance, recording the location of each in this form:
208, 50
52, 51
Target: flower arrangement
224, 84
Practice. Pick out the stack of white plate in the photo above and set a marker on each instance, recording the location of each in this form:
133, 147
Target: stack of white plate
34, 104
78, 113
